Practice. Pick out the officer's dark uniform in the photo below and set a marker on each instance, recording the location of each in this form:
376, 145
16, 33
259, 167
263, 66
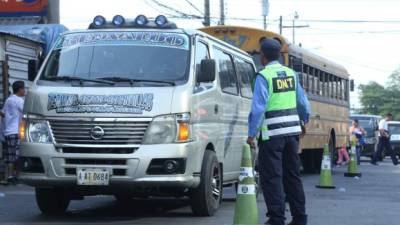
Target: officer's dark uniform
279, 163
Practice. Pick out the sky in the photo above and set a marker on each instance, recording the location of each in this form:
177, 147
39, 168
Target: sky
369, 51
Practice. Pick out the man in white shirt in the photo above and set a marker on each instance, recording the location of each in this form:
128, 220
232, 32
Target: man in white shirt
384, 141
12, 110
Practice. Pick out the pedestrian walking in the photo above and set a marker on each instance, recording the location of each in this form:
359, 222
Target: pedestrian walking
12, 117
280, 107
359, 132
384, 141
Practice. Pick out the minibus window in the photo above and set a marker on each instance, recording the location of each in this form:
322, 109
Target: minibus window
201, 53
226, 71
245, 73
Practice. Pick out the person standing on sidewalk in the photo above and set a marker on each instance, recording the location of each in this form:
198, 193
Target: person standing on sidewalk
384, 141
280, 107
12, 117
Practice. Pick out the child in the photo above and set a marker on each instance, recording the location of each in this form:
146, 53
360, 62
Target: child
12, 116
343, 154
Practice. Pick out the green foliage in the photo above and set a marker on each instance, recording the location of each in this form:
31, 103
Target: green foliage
379, 100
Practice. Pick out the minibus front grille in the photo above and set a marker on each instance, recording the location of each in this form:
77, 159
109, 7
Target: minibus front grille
95, 132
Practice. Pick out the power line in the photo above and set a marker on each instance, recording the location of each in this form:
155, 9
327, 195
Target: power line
350, 21
194, 7
189, 16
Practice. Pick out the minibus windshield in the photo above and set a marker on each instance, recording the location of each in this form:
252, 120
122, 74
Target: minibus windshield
149, 57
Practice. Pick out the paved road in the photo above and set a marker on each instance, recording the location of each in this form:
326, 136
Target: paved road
373, 199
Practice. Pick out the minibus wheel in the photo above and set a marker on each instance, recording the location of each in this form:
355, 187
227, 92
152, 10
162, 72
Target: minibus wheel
206, 198
52, 201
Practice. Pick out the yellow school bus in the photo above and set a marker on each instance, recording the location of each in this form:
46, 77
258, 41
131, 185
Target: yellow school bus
327, 85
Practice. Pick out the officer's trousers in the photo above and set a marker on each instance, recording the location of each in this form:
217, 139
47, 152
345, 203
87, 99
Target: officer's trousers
279, 168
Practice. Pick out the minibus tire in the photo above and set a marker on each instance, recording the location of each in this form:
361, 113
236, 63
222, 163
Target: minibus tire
203, 202
52, 201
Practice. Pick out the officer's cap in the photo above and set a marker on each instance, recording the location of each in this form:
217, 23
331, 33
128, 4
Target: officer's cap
270, 45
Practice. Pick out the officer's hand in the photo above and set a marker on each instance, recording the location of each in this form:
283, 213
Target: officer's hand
303, 131
250, 141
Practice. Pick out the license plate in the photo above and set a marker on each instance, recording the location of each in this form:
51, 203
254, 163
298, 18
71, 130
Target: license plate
395, 137
93, 176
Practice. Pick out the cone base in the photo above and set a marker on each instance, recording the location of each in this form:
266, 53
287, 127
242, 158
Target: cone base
325, 186
352, 174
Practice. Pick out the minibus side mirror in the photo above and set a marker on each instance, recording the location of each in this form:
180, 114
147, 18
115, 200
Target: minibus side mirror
207, 71
351, 85
297, 65
32, 69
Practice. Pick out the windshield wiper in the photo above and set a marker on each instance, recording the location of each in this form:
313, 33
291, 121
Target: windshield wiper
132, 81
81, 80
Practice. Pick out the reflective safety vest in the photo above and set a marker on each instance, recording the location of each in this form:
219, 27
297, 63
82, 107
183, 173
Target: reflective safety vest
281, 116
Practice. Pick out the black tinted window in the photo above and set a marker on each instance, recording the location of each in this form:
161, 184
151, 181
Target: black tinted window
245, 73
201, 53
226, 71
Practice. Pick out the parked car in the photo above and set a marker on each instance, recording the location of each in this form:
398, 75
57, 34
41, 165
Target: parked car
370, 125
394, 131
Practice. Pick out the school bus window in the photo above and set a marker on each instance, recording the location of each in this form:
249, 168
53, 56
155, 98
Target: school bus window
333, 86
226, 72
337, 87
328, 85
347, 89
305, 77
311, 79
343, 97
317, 81
325, 84
300, 77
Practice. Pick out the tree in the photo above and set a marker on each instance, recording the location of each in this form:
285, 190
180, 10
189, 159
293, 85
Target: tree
393, 94
378, 100
372, 96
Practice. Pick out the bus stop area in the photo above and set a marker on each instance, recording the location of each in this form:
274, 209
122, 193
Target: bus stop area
373, 198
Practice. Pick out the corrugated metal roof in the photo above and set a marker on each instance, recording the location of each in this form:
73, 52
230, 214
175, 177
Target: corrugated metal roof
45, 34
19, 20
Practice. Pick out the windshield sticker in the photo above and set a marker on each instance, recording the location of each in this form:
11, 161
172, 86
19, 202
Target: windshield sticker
161, 39
73, 103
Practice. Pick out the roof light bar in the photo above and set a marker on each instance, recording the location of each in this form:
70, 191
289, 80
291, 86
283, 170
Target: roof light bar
141, 20
99, 21
118, 20
161, 20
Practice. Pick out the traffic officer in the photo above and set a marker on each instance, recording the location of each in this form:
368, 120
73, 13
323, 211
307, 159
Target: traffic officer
280, 108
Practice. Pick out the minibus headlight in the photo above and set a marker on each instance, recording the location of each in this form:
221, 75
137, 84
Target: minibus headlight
161, 130
168, 129
38, 131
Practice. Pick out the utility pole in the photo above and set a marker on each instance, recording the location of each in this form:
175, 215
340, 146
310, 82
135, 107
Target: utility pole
206, 13
54, 11
265, 6
222, 12
295, 17
280, 25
